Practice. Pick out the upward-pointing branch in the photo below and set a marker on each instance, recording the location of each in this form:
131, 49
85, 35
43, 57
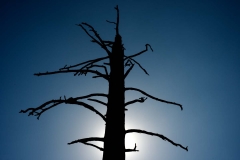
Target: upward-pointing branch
150, 96
141, 100
117, 25
137, 54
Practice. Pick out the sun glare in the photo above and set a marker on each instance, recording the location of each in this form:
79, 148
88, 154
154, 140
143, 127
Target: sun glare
130, 141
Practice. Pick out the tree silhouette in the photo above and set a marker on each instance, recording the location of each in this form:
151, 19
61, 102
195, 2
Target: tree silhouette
115, 74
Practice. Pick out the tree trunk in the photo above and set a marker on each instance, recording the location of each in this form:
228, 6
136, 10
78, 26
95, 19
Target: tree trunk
114, 139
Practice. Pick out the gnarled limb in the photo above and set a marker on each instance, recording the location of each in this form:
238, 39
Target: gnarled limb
76, 72
156, 134
141, 100
52, 103
85, 140
157, 99
83, 70
39, 110
99, 41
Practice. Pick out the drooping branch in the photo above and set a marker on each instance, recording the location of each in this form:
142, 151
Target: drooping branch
137, 54
52, 103
156, 134
85, 140
131, 59
141, 100
99, 41
157, 99
98, 101
39, 110
88, 107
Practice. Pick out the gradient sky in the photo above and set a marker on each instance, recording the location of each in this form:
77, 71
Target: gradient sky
196, 62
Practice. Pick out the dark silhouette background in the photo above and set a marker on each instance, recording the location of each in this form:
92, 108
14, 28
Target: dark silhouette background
196, 56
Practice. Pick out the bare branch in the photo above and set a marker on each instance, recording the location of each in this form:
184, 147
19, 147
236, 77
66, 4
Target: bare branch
157, 99
141, 100
52, 103
93, 39
107, 64
101, 66
117, 25
76, 72
99, 41
132, 150
156, 134
128, 62
128, 71
137, 54
87, 106
108, 43
111, 22
85, 140
130, 59
91, 95
98, 101
140, 66
88, 63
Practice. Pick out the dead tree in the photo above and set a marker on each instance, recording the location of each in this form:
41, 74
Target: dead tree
115, 72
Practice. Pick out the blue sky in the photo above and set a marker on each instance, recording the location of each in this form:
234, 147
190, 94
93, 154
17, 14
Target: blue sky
195, 62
